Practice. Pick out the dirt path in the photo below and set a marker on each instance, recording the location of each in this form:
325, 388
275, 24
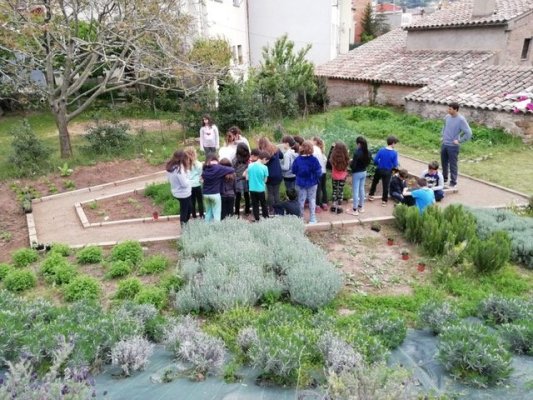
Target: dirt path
56, 219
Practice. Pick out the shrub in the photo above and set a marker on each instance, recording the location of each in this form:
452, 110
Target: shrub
492, 254
153, 265
338, 355
518, 336
28, 153
63, 273
60, 248
128, 289
188, 343
50, 263
90, 255
390, 328
151, 295
400, 216
313, 284
4, 270
246, 338
413, 225
118, 269
108, 138
437, 315
82, 288
24, 257
19, 280
131, 354
499, 310
472, 353
171, 283
127, 251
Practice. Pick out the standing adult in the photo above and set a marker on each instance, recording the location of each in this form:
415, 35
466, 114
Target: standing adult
454, 132
229, 150
209, 141
177, 174
239, 138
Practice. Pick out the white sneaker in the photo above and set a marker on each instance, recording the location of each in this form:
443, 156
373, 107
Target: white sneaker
361, 210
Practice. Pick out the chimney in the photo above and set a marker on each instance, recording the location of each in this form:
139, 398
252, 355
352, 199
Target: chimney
483, 8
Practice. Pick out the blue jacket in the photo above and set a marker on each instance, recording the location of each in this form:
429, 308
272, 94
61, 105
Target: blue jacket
307, 170
213, 176
274, 169
386, 158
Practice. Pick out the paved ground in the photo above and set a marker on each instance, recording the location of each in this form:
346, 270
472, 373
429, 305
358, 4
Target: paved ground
56, 220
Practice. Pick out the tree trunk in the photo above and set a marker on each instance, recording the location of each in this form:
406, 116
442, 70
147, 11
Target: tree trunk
60, 115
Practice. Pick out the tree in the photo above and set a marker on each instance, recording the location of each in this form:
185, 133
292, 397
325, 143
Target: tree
86, 48
373, 25
283, 75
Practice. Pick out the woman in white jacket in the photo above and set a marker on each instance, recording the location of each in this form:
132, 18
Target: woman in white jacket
180, 185
209, 140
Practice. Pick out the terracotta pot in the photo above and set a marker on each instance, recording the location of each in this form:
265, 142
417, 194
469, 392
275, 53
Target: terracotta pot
405, 257
390, 242
421, 267
155, 215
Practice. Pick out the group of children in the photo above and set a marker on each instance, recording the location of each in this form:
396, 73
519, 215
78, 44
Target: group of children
256, 175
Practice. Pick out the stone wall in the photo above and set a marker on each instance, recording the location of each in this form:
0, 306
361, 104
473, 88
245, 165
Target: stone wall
345, 92
520, 30
520, 125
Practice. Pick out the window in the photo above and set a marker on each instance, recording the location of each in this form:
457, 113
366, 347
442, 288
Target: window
239, 52
525, 49
234, 54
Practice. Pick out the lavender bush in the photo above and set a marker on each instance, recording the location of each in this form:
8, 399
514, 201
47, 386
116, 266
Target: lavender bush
131, 354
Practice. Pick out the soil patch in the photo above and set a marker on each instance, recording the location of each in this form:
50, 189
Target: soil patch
13, 229
369, 265
127, 206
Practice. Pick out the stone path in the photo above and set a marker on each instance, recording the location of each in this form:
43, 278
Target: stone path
55, 218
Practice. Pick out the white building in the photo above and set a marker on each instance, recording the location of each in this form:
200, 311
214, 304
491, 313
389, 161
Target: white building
224, 19
326, 24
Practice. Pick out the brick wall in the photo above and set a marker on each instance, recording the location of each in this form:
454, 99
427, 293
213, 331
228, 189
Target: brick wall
346, 92
520, 125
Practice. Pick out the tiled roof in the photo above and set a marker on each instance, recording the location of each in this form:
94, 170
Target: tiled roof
459, 13
386, 60
484, 87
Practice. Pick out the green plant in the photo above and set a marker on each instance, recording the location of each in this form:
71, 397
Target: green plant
162, 196
473, 353
24, 257
108, 137
414, 231
500, 310
65, 170
127, 251
6, 236
518, 336
63, 273
82, 288
118, 269
69, 184
89, 255
128, 288
151, 295
29, 156
153, 265
19, 280
231, 372
436, 315
60, 248
491, 254
171, 283
4, 270
389, 327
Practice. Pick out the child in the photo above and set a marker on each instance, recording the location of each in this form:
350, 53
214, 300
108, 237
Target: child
290, 150
242, 159
434, 179
398, 184
308, 172
339, 160
213, 174
274, 170
360, 161
177, 168
423, 196
257, 175
194, 177
227, 192
386, 159
290, 207
209, 141
322, 192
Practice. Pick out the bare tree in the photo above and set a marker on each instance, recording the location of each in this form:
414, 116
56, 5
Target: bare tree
111, 44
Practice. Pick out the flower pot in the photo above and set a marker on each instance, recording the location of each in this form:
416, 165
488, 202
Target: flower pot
421, 267
405, 257
390, 242
155, 215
